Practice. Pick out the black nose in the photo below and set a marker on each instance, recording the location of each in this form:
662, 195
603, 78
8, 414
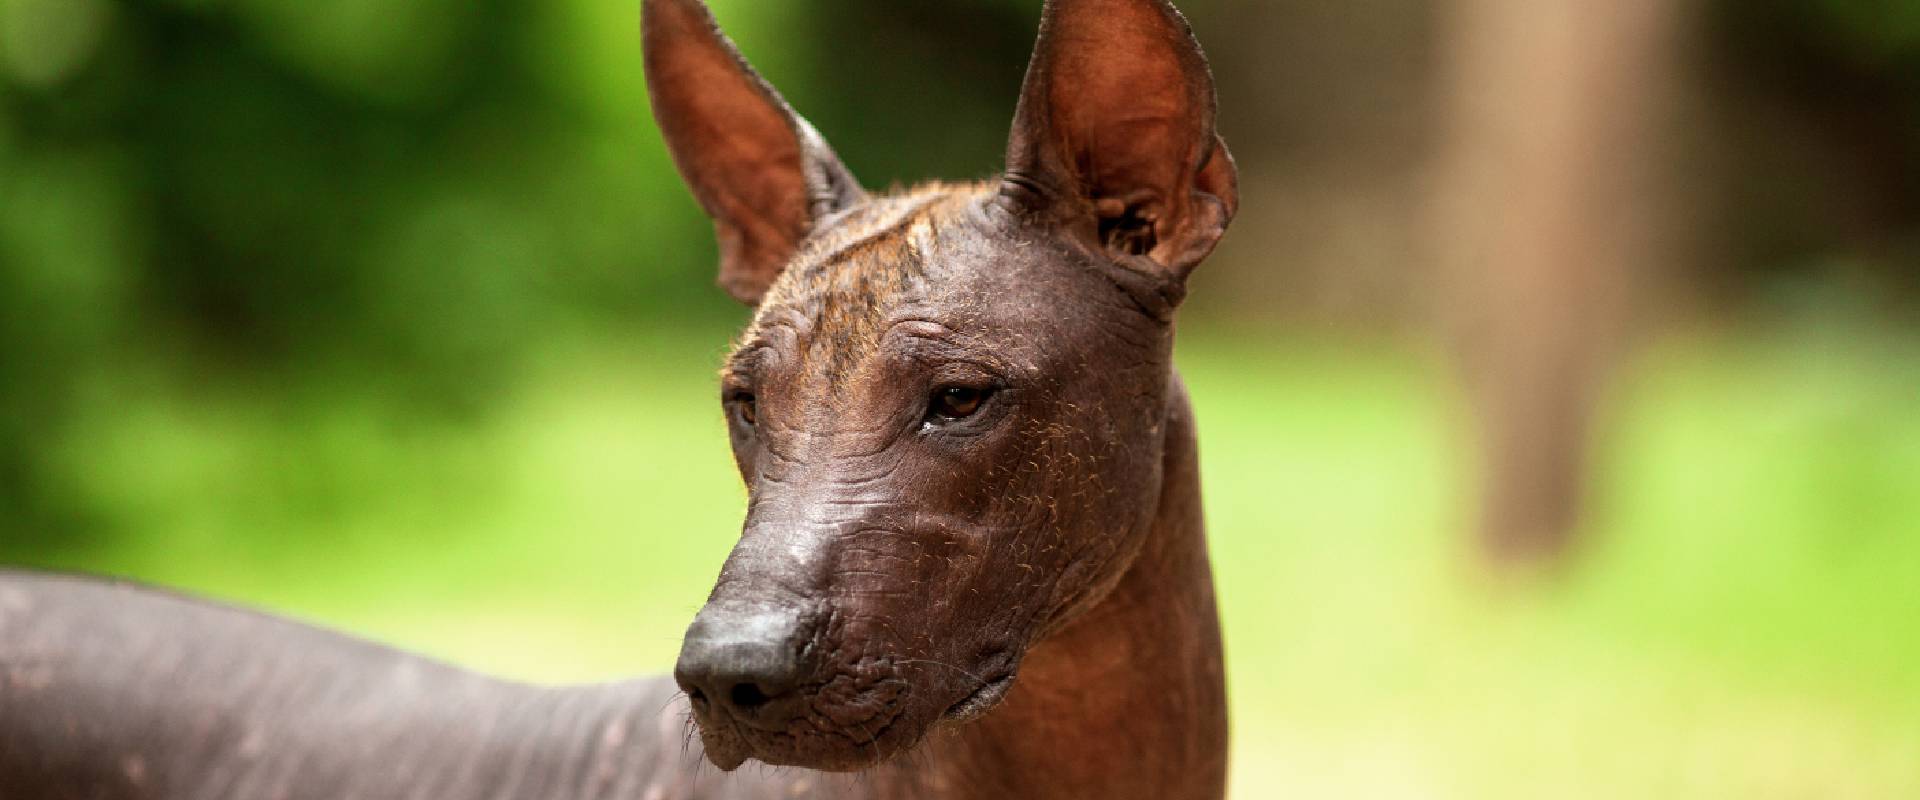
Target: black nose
746, 661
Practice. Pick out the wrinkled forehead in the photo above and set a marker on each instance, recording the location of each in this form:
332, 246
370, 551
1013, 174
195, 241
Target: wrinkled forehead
910, 254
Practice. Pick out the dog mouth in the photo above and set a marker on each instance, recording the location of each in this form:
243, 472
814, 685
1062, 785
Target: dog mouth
729, 744
980, 700
837, 726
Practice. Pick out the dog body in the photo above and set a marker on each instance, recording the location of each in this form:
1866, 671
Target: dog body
973, 563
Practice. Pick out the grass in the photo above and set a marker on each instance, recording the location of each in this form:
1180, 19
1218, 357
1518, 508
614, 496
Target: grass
1744, 622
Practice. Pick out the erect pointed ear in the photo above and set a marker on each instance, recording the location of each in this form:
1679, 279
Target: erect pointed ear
761, 172
1114, 138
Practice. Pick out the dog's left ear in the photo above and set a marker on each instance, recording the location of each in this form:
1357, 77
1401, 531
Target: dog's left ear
759, 169
1114, 138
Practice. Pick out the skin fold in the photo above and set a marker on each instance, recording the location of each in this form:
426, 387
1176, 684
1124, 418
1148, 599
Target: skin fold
973, 563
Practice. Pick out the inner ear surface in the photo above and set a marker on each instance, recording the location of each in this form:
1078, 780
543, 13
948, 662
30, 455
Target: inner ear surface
1128, 226
1114, 135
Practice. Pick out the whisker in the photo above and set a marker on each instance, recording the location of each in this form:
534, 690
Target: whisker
976, 679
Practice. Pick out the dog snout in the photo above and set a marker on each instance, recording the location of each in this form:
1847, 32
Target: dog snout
746, 663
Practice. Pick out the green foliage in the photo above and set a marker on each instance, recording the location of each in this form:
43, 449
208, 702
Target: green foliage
415, 195
1885, 30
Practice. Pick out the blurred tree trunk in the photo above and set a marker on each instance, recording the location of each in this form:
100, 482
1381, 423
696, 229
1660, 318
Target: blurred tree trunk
1546, 190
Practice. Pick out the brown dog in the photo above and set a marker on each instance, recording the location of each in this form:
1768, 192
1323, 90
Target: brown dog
973, 565
968, 454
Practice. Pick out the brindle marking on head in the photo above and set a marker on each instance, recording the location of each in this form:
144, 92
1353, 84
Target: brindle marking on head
853, 272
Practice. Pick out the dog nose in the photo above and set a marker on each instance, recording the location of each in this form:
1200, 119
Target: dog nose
746, 661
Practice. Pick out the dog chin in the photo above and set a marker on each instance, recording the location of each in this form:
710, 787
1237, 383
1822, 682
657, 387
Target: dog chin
728, 749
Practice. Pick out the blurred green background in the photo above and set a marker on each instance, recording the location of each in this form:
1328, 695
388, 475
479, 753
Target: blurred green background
392, 315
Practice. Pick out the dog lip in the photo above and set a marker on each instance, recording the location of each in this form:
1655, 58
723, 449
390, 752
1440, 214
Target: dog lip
981, 700
726, 750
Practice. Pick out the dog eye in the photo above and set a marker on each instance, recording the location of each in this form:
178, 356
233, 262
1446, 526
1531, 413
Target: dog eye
744, 406
955, 403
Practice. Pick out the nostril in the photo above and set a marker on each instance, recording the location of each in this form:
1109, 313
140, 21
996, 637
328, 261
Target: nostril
744, 665
747, 696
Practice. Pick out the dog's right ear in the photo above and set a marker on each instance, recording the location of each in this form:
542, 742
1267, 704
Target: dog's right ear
761, 171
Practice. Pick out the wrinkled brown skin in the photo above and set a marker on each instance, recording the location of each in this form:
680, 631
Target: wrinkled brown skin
1044, 554
1017, 603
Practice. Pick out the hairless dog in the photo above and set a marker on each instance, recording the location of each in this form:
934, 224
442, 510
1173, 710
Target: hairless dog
973, 563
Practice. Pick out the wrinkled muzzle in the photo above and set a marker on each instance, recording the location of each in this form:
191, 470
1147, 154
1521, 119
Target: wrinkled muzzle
838, 646
772, 670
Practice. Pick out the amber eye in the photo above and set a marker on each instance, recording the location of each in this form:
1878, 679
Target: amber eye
955, 402
744, 405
